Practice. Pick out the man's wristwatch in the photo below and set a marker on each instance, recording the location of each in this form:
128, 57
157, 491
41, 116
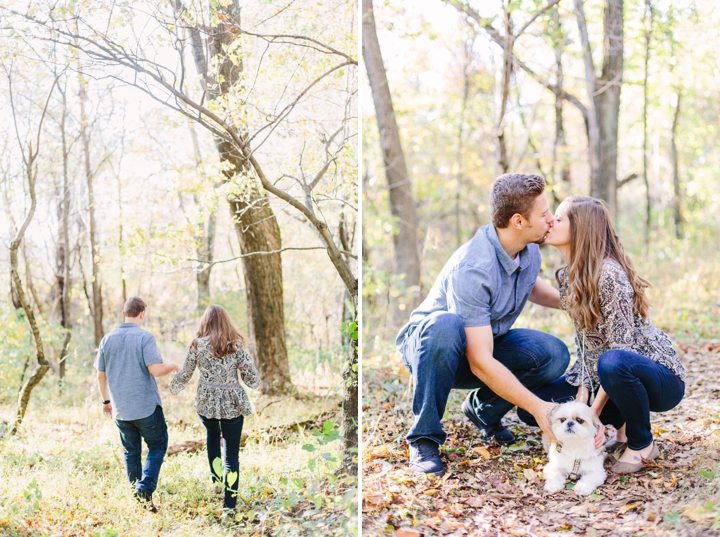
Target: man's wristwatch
106, 402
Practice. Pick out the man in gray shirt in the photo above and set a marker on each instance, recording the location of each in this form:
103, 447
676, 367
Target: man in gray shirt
460, 337
127, 363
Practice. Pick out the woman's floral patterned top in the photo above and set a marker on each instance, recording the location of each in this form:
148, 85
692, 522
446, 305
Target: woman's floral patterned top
219, 394
620, 328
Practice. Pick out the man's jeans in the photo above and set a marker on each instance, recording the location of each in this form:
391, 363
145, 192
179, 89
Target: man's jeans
153, 430
636, 385
231, 431
434, 353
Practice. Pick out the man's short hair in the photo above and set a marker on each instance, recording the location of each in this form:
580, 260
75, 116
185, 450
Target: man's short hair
514, 193
134, 307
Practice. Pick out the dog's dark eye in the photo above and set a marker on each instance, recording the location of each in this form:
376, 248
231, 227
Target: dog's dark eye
562, 420
580, 420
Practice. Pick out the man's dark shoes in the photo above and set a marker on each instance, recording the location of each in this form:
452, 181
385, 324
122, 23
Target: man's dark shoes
492, 431
145, 499
425, 457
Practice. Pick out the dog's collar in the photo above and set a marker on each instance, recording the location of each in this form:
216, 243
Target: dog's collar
558, 448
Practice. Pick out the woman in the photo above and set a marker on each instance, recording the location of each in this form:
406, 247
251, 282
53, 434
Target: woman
221, 403
626, 366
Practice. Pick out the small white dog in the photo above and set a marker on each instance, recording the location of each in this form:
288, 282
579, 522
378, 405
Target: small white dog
574, 455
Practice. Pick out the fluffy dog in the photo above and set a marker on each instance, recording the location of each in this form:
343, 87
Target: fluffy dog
575, 455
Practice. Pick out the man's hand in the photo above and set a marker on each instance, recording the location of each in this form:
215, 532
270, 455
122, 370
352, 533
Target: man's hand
543, 416
163, 368
107, 410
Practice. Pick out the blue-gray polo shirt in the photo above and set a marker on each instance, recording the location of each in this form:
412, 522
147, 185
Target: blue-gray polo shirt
481, 284
124, 355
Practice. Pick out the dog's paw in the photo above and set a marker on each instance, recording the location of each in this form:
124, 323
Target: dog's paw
584, 489
554, 486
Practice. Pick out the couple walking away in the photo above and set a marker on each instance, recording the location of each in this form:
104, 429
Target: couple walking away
127, 363
460, 337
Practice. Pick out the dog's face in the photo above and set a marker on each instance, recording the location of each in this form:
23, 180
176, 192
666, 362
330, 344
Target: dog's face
572, 424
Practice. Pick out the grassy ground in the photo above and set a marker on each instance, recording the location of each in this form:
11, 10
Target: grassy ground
63, 473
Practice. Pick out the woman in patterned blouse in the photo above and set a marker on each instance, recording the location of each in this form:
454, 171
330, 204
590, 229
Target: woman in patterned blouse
626, 367
221, 403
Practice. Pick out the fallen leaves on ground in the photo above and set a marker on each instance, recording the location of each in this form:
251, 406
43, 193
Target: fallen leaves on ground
493, 490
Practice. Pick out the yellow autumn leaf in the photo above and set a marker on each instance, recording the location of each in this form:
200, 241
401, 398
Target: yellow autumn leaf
672, 483
484, 453
629, 507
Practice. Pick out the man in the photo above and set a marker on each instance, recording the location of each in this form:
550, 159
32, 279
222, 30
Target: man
460, 336
127, 362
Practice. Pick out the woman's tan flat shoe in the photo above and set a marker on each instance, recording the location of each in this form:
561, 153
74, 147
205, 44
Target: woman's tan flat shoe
632, 467
613, 445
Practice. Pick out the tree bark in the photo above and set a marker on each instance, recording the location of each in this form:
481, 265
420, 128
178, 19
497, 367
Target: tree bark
63, 249
648, 198
255, 222
560, 170
258, 231
677, 191
43, 365
503, 161
608, 88
604, 101
97, 309
402, 205
206, 242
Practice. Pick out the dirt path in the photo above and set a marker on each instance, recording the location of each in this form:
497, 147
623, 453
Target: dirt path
491, 491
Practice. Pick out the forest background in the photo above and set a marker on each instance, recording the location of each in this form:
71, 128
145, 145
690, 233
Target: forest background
481, 88
189, 153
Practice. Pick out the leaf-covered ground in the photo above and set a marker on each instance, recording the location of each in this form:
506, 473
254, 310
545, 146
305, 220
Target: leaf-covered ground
488, 490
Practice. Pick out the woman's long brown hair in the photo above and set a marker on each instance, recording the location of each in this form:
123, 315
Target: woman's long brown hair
592, 240
218, 328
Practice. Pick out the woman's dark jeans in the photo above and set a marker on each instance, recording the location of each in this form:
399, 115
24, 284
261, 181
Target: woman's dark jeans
636, 386
230, 430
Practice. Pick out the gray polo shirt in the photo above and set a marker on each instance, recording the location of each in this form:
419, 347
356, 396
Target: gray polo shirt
481, 284
124, 355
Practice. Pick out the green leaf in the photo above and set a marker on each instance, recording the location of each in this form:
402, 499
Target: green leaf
217, 466
231, 478
707, 474
309, 447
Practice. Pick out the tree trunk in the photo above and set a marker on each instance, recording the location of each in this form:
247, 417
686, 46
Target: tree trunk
258, 231
608, 88
206, 244
63, 251
604, 100
43, 365
677, 198
255, 222
97, 309
350, 425
648, 199
504, 91
402, 205
560, 169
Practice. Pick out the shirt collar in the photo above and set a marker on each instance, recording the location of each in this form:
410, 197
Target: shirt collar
127, 325
507, 262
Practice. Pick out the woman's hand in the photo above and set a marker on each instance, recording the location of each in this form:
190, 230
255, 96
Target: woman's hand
600, 431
